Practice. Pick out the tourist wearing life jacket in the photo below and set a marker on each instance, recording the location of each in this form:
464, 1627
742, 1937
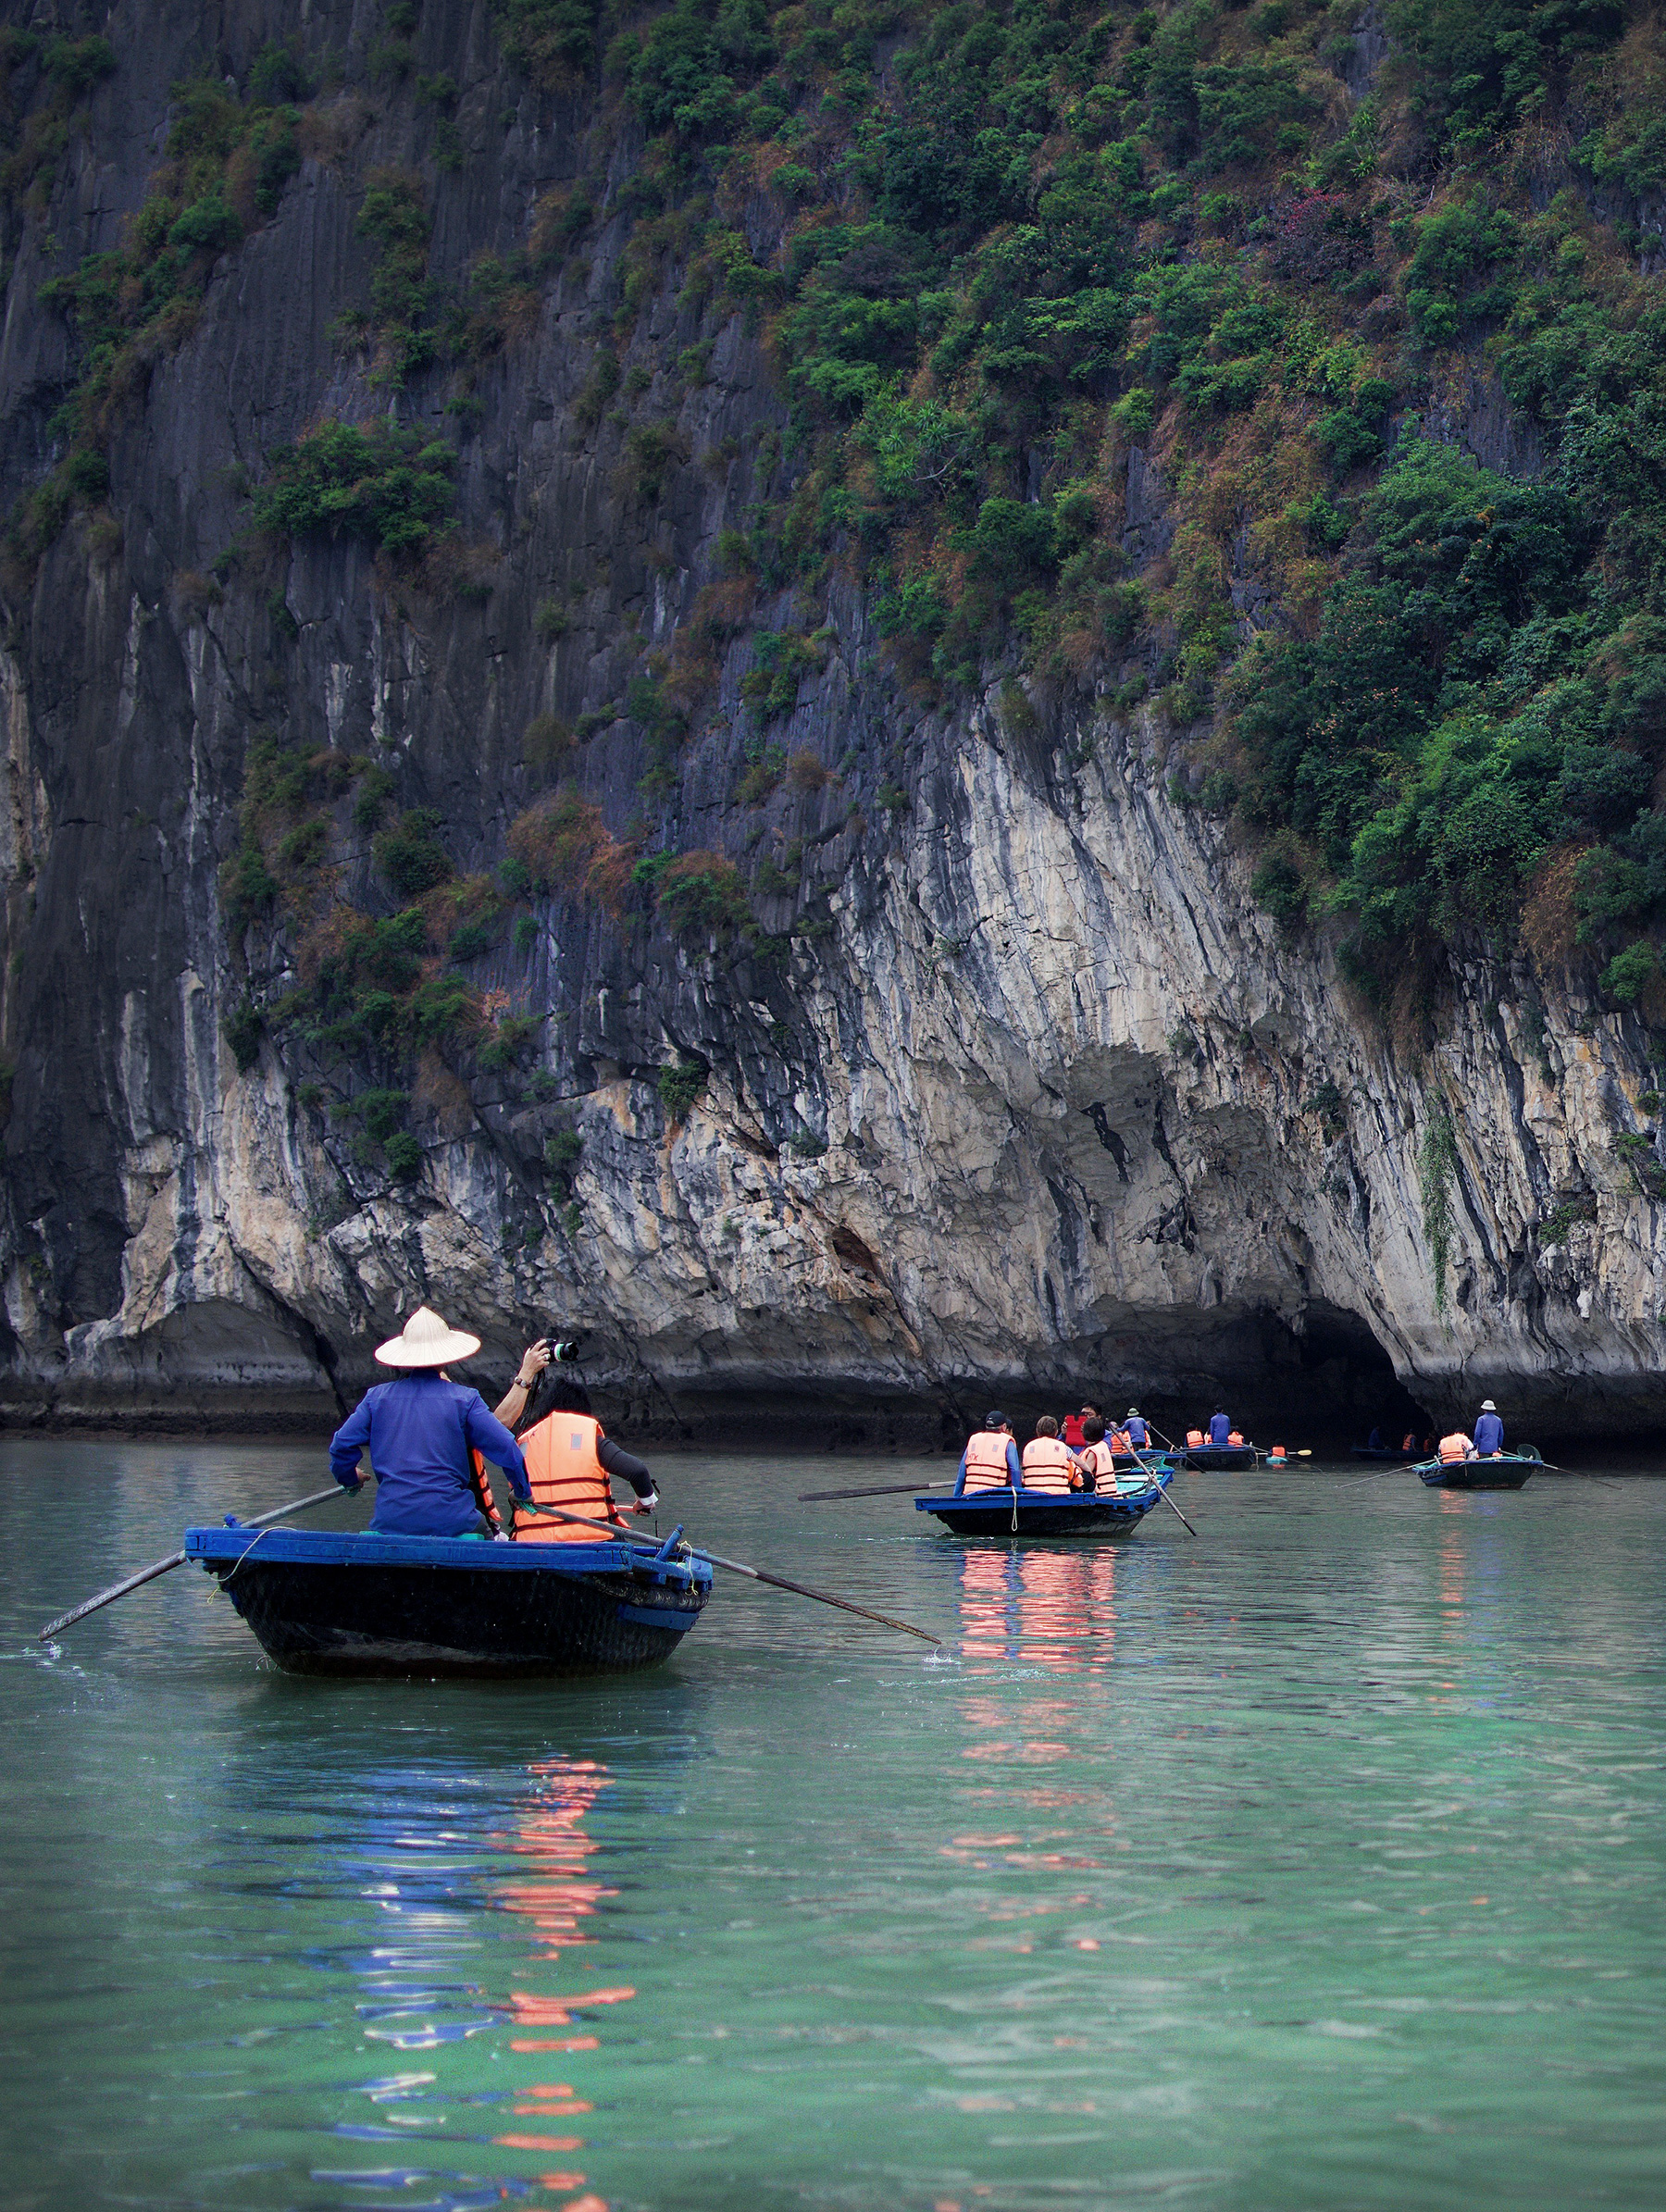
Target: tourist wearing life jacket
1219, 1428
1489, 1432
572, 1463
990, 1461
421, 1430
1455, 1448
1409, 1442
1047, 1462
1073, 1426
1099, 1461
1139, 1435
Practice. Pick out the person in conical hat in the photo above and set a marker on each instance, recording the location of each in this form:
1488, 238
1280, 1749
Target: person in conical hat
419, 1429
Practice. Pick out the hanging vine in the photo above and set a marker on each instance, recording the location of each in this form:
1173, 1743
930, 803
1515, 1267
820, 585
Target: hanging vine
1437, 1163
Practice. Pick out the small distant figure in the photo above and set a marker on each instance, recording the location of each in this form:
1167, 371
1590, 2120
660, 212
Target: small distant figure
990, 1461
1374, 1441
1139, 1435
1409, 1441
1049, 1463
1073, 1426
1489, 1432
1219, 1428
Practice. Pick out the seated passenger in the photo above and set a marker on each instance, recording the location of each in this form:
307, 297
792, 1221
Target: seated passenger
1219, 1428
1120, 1441
1374, 1441
1455, 1448
991, 1460
1098, 1468
1073, 1426
1489, 1432
1409, 1442
420, 1430
572, 1463
1049, 1463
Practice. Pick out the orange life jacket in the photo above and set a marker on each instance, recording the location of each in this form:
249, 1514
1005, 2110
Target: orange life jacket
1278, 1453
1235, 1440
1408, 1444
987, 1461
1102, 1460
1119, 1440
1193, 1438
1073, 1431
563, 1471
1453, 1447
1048, 1465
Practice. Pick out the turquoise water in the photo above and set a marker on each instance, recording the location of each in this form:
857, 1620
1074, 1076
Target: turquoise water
1317, 1862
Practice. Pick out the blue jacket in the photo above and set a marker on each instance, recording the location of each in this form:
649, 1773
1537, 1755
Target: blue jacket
1219, 1428
419, 1429
1489, 1435
1015, 1469
1138, 1434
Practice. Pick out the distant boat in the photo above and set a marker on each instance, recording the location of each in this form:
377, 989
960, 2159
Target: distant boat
330, 1604
1110, 1515
1387, 1451
1219, 1458
1510, 1470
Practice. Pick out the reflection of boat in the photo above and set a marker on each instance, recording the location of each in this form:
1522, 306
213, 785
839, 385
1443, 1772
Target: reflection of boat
1510, 1470
1219, 1459
328, 1604
1006, 1514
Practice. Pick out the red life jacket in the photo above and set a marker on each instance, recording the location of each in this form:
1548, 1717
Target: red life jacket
1048, 1465
987, 1461
563, 1471
1073, 1431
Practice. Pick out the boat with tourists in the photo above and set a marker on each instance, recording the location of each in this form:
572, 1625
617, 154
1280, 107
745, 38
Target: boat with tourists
1110, 1515
369, 1604
1219, 1459
1390, 1454
1503, 1471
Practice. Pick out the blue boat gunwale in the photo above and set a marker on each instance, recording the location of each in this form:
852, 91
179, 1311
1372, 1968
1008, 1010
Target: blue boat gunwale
1002, 1501
348, 1548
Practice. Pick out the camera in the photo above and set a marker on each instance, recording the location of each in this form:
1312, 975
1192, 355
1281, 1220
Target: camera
564, 1349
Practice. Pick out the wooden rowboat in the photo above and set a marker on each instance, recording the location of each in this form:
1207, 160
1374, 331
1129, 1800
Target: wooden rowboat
1389, 1452
1219, 1459
1510, 1470
330, 1604
1110, 1515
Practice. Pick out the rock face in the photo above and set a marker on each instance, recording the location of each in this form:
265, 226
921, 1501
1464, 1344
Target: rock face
1034, 1100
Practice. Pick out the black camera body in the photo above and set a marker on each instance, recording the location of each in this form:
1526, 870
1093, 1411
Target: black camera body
564, 1349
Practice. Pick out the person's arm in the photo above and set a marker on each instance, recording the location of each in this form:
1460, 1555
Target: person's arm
616, 1461
959, 1480
347, 1443
513, 1403
494, 1442
1015, 1466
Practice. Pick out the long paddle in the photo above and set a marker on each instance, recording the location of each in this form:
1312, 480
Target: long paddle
1166, 1498
886, 1490
757, 1574
176, 1559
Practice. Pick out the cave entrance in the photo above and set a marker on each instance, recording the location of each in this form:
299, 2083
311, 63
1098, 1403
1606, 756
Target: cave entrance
1353, 1385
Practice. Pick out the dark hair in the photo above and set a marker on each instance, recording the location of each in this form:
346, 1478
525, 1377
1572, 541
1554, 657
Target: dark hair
1047, 1426
555, 1393
1093, 1431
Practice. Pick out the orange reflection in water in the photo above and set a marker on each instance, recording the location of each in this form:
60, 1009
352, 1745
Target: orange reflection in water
1045, 1608
558, 1894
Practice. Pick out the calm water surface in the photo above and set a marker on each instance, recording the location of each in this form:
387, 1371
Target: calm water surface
1318, 1862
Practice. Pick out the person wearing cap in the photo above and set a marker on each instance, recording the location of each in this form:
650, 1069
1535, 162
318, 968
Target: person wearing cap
1139, 1435
990, 1461
1489, 1432
419, 1429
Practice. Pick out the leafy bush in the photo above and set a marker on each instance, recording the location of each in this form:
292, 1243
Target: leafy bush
680, 1087
384, 483
411, 856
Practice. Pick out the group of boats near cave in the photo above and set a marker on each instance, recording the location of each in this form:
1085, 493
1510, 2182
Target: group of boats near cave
561, 1592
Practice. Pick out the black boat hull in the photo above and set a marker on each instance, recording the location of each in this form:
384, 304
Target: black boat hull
344, 1609
1478, 1474
1104, 1517
1220, 1459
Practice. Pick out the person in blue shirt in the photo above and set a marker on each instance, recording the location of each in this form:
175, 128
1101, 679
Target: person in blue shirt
1219, 1428
990, 1461
1139, 1435
1489, 1432
419, 1430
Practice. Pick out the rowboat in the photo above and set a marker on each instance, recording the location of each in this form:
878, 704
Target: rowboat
1386, 1451
1108, 1514
370, 1604
1510, 1470
1219, 1459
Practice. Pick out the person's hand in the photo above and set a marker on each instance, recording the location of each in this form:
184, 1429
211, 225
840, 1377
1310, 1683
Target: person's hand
648, 1504
354, 1486
534, 1360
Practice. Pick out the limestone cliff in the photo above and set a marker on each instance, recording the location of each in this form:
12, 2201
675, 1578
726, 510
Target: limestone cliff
1012, 1090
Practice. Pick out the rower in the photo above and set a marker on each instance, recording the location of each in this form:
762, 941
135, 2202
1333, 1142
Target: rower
1219, 1428
1047, 1462
420, 1430
1489, 1432
1139, 1435
990, 1461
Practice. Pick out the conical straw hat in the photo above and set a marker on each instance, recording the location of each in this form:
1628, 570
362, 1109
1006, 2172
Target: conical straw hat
426, 1341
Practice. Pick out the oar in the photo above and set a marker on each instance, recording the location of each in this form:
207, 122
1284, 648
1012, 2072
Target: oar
888, 1490
177, 1558
757, 1574
1166, 1498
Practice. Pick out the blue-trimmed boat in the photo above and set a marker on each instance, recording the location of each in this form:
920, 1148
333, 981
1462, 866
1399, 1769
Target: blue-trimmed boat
1510, 1470
1219, 1459
370, 1604
1107, 1514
